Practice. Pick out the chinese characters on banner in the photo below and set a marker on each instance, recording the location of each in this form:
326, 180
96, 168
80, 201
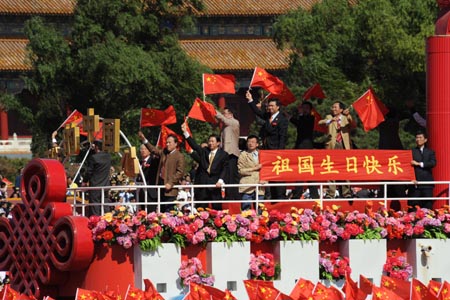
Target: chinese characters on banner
324, 165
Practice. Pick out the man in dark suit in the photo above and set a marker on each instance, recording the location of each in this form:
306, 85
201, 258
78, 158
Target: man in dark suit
213, 166
171, 168
149, 165
97, 175
273, 133
423, 161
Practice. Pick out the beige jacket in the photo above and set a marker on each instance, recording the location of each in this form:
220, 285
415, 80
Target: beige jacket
347, 124
230, 134
246, 168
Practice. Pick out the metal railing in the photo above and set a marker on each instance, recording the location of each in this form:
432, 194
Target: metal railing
79, 199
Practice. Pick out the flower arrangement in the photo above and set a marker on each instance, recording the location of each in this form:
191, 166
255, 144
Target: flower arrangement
263, 266
396, 266
150, 230
333, 266
192, 271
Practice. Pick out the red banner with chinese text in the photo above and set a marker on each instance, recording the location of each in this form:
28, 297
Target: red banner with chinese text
324, 165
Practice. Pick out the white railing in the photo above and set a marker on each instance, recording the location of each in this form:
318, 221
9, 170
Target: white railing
80, 202
19, 145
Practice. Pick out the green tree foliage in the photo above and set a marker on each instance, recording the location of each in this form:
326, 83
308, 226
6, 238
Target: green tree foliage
120, 57
348, 48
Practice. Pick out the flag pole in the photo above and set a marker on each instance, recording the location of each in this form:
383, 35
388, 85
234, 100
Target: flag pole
253, 76
71, 114
140, 120
203, 85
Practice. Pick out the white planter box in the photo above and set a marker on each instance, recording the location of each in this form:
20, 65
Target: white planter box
298, 259
339, 284
229, 265
161, 267
367, 258
433, 262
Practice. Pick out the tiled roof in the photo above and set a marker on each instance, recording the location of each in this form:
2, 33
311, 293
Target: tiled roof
253, 7
237, 54
216, 54
39, 7
13, 55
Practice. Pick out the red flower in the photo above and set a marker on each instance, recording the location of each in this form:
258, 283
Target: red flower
107, 235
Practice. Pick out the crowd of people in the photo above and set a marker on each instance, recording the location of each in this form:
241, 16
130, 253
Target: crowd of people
221, 161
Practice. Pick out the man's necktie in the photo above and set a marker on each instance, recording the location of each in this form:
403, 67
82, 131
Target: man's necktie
339, 134
211, 158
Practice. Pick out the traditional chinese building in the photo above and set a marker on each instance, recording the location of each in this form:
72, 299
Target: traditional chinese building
229, 37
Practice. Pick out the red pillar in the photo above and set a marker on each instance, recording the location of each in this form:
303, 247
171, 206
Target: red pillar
438, 108
3, 125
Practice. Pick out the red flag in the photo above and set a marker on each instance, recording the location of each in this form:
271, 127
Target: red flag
267, 81
155, 117
317, 118
216, 84
98, 135
83, 294
434, 287
217, 294
445, 291
303, 289
314, 91
131, 294
165, 132
351, 290
398, 286
381, 293
197, 292
285, 95
150, 291
252, 287
324, 293
75, 117
365, 285
370, 109
420, 291
203, 111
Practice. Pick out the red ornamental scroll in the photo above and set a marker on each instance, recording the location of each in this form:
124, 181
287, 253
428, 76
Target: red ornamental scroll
324, 165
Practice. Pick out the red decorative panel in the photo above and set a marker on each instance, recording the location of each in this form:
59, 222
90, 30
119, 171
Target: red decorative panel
43, 242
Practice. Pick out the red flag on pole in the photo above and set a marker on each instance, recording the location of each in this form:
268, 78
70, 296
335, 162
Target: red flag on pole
75, 117
365, 285
156, 117
285, 95
317, 118
267, 81
351, 290
381, 293
322, 292
370, 109
203, 111
150, 291
420, 291
444, 294
398, 286
434, 287
216, 84
314, 91
165, 132
302, 290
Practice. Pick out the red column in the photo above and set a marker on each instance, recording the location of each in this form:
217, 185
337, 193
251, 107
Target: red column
438, 108
3, 125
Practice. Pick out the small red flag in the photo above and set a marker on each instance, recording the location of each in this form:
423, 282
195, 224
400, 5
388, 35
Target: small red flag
317, 118
420, 291
203, 111
83, 294
267, 81
434, 287
398, 286
444, 294
165, 132
302, 290
381, 293
365, 285
351, 290
252, 287
324, 293
285, 95
370, 109
197, 292
216, 84
132, 293
98, 135
217, 294
75, 117
155, 117
314, 91
150, 291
